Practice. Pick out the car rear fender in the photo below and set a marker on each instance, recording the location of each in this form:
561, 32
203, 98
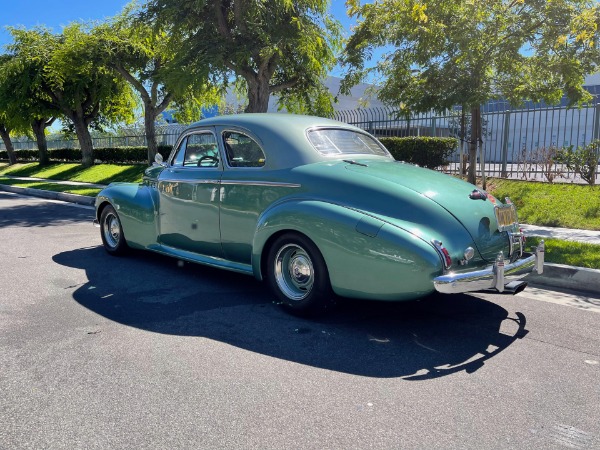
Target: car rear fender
136, 208
366, 257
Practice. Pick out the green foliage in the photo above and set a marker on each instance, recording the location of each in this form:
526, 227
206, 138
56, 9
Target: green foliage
582, 160
554, 205
65, 73
455, 52
112, 155
273, 46
427, 152
153, 63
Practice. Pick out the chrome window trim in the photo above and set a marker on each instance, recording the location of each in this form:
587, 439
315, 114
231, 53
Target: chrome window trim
184, 135
249, 134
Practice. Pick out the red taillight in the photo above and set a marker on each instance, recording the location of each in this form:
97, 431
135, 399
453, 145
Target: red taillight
446, 258
523, 237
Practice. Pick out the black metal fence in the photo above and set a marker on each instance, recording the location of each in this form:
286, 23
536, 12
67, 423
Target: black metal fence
517, 143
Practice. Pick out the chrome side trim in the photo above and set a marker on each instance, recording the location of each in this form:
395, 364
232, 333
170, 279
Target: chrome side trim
495, 276
167, 180
259, 183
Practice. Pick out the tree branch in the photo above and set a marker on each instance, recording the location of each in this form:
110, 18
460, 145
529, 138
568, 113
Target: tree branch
163, 105
138, 86
222, 26
281, 86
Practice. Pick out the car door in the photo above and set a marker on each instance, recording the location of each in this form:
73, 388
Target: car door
189, 200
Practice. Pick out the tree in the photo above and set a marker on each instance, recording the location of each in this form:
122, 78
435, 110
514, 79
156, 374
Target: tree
273, 46
19, 97
11, 120
456, 52
5, 126
151, 62
5, 135
73, 81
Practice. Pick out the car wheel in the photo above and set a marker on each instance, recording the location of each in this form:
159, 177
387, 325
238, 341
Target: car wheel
298, 276
112, 232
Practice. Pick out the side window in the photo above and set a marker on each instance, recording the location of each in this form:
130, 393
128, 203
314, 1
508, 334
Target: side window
201, 151
242, 150
178, 160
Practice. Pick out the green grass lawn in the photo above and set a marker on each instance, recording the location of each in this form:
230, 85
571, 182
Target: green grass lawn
100, 174
554, 205
569, 253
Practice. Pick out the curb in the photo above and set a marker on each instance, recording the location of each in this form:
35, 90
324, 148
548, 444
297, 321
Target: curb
567, 277
63, 196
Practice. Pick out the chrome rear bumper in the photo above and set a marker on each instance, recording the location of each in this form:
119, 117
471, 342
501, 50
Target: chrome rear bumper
496, 276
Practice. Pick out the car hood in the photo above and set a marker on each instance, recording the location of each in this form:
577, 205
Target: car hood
452, 194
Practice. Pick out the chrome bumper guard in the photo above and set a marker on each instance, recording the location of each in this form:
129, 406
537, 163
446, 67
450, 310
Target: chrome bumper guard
496, 276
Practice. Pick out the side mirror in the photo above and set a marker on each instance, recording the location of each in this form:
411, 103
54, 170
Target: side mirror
158, 160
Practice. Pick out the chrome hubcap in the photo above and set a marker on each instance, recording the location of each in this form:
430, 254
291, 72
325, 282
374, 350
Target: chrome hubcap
112, 230
294, 272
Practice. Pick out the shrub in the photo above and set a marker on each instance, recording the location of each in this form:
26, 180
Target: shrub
582, 160
427, 152
109, 155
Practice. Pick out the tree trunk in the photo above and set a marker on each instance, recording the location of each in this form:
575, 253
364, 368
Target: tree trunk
258, 94
149, 117
39, 126
10, 149
85, 140
463, 137
473, 143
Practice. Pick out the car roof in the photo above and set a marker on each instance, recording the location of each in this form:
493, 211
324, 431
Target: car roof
282, 136
271, 120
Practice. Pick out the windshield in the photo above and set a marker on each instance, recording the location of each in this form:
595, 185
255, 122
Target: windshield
337, 141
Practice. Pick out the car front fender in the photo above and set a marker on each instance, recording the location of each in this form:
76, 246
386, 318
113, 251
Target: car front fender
136, 208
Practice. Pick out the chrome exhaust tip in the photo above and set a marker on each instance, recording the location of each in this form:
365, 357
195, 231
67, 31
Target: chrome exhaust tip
515, 287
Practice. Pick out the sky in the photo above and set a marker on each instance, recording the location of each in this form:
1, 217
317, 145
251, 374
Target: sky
55, 15
30, 13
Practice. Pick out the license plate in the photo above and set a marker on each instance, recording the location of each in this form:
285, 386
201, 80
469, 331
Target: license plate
506, 216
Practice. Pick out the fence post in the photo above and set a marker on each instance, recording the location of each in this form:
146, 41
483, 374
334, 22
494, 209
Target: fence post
505, 137
596, 129
433, 127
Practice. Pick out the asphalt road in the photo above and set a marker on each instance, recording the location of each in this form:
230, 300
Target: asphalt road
143, 352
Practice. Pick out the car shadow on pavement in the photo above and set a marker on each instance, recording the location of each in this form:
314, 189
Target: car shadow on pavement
31, 214
418, 340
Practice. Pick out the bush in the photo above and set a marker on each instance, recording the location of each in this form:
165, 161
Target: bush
427, 152
582, 160
109, 155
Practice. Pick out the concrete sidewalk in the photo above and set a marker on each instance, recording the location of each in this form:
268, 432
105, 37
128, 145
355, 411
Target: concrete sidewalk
566, 234
554, 276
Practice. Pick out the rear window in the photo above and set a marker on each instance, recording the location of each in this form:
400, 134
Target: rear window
332, 141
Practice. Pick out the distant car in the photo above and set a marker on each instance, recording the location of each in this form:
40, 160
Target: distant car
316, 207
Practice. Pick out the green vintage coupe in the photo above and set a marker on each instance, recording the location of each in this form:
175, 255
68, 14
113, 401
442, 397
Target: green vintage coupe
316, 208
